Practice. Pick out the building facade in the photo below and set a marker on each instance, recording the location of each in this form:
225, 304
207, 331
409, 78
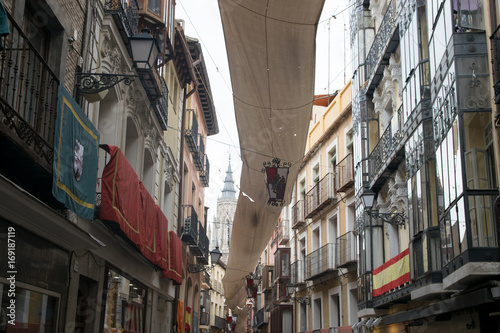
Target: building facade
69, 71
426, 146
308, 271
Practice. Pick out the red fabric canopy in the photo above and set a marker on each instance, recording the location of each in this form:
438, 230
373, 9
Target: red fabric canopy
126, 201
150, 235
121, 195
174, 269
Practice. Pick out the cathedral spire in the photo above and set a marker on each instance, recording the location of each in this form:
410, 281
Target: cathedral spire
228, 191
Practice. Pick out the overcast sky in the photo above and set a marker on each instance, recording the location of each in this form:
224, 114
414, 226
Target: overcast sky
202, 21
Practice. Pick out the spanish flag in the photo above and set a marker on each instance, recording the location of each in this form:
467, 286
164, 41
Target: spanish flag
392, 273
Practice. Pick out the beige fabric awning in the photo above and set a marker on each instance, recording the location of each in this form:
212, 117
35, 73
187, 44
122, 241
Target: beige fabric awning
271, 52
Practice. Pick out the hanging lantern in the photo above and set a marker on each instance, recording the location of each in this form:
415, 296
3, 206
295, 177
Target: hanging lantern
276, 178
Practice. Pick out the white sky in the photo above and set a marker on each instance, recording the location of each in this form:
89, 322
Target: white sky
202, 21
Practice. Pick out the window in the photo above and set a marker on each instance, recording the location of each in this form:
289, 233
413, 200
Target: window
125, 302
36, 310
316, 173
332, 158
479, 161
468, 15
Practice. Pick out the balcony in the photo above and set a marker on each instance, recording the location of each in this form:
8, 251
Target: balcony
189, 233
320, 196
298, 215
205, 173
205, 318
206, 281
28, 101
220, 323
125, 13
384, 44
346, 250
321, 261
198, 156
344, 174
200, 250
160, 107
388, 152
261, 318
191, 133
284, 232
298, 273
267, 277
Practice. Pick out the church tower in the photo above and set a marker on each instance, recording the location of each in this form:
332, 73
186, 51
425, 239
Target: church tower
223, 221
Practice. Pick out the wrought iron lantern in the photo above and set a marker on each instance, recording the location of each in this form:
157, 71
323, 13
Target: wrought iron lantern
368, 200
276, 178
145, 50
290, 289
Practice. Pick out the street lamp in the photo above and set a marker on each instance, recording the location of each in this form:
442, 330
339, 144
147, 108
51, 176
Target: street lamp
368, 199
290, 288
145, 49
94, 86
215, 255
276, 178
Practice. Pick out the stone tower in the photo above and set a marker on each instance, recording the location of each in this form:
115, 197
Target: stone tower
222, 225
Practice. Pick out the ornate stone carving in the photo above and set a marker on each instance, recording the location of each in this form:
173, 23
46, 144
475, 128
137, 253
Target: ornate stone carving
111, 56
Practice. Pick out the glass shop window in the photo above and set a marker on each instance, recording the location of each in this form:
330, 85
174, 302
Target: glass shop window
468, 15
34, 311
125, 305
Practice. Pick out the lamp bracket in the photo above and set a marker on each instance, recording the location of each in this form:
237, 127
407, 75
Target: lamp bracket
92, 83
391, 218
196, 268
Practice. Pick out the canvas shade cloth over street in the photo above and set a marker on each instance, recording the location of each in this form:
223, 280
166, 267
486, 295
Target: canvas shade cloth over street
271, 53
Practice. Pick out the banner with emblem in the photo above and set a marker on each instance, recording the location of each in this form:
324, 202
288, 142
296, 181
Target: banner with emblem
76, 143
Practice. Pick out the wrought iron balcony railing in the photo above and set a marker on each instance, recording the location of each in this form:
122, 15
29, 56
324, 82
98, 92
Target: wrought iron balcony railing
346, 250
200, 250
344, 174
205, 173
220, 322
320, 196
191, 133
298, 220
261, 318
284, 232
299, 273
160, 107
205, 318
28, 96
495, 61
199, 154
189, 233
382, 40
321, 261
388, 144
126, 16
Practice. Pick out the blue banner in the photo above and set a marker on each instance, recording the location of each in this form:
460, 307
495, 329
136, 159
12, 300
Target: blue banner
76, 143
195, 322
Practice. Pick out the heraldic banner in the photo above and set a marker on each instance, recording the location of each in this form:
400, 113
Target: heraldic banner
76, 143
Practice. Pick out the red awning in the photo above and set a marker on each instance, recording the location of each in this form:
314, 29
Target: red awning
125, 201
